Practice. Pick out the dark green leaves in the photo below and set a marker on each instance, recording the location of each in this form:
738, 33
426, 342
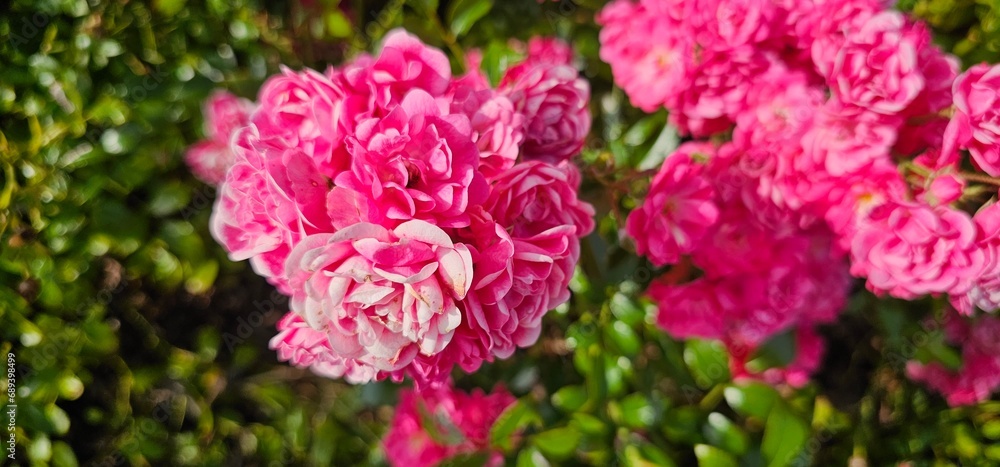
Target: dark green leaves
462, 14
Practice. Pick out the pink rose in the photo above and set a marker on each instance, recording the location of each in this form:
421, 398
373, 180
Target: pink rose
975, 124
822, 26
537, 204
224, 115
554, 101
533, 197
381, 296
463, 421
907, 249
304, 110
985, 291
650, 57
979, 375
679, 209
879, 68
305, 347
497, 128
549, 51
416, 163
405, 63
272, 197
486, 310
689, 310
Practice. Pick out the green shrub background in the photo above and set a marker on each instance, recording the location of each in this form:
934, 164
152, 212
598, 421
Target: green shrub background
138, 343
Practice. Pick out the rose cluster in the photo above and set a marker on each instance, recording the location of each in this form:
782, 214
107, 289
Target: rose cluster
418, 220
838, 133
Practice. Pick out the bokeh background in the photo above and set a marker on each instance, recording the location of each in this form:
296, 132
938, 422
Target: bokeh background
139, 343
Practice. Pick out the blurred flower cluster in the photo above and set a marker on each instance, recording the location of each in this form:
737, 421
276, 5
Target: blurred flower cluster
833, 136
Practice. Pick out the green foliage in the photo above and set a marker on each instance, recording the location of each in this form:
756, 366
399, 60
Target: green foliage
138, 342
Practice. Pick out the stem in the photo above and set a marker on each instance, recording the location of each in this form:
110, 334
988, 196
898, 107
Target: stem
980, 178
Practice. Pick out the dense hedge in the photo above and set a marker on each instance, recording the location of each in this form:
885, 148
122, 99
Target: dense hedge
138, 342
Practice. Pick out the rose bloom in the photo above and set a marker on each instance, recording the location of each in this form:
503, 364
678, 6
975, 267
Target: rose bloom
975, 124
381, 296
979, 375
650, 56
224, 115
908, 249
498, 130
554, 101
461, 425
272, 196
820, 27
304, 110
415, 163
305, 347
689, 310
985, 291
537, 205
679, 208
878, 67
549, 51
405, 63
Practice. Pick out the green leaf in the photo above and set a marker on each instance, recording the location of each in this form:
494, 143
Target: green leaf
710, 456
777, 352
626, 310
570, 398
427, 6
785, 434
8, 186
169, 7
558, 443
515, 417
530, 457
462, 14
472, 459
338, 25
665, 144
624, 338
643, 454
636, 411
643, 129
708, 362
751, 399
682, 424
440, 428
589, 424
723, 433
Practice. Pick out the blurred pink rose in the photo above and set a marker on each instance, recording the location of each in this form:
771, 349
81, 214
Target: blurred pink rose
549, 51
979, 375
878, 68
461, 425
224, 115
975, 124
908, 249
679, 209
985, 291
